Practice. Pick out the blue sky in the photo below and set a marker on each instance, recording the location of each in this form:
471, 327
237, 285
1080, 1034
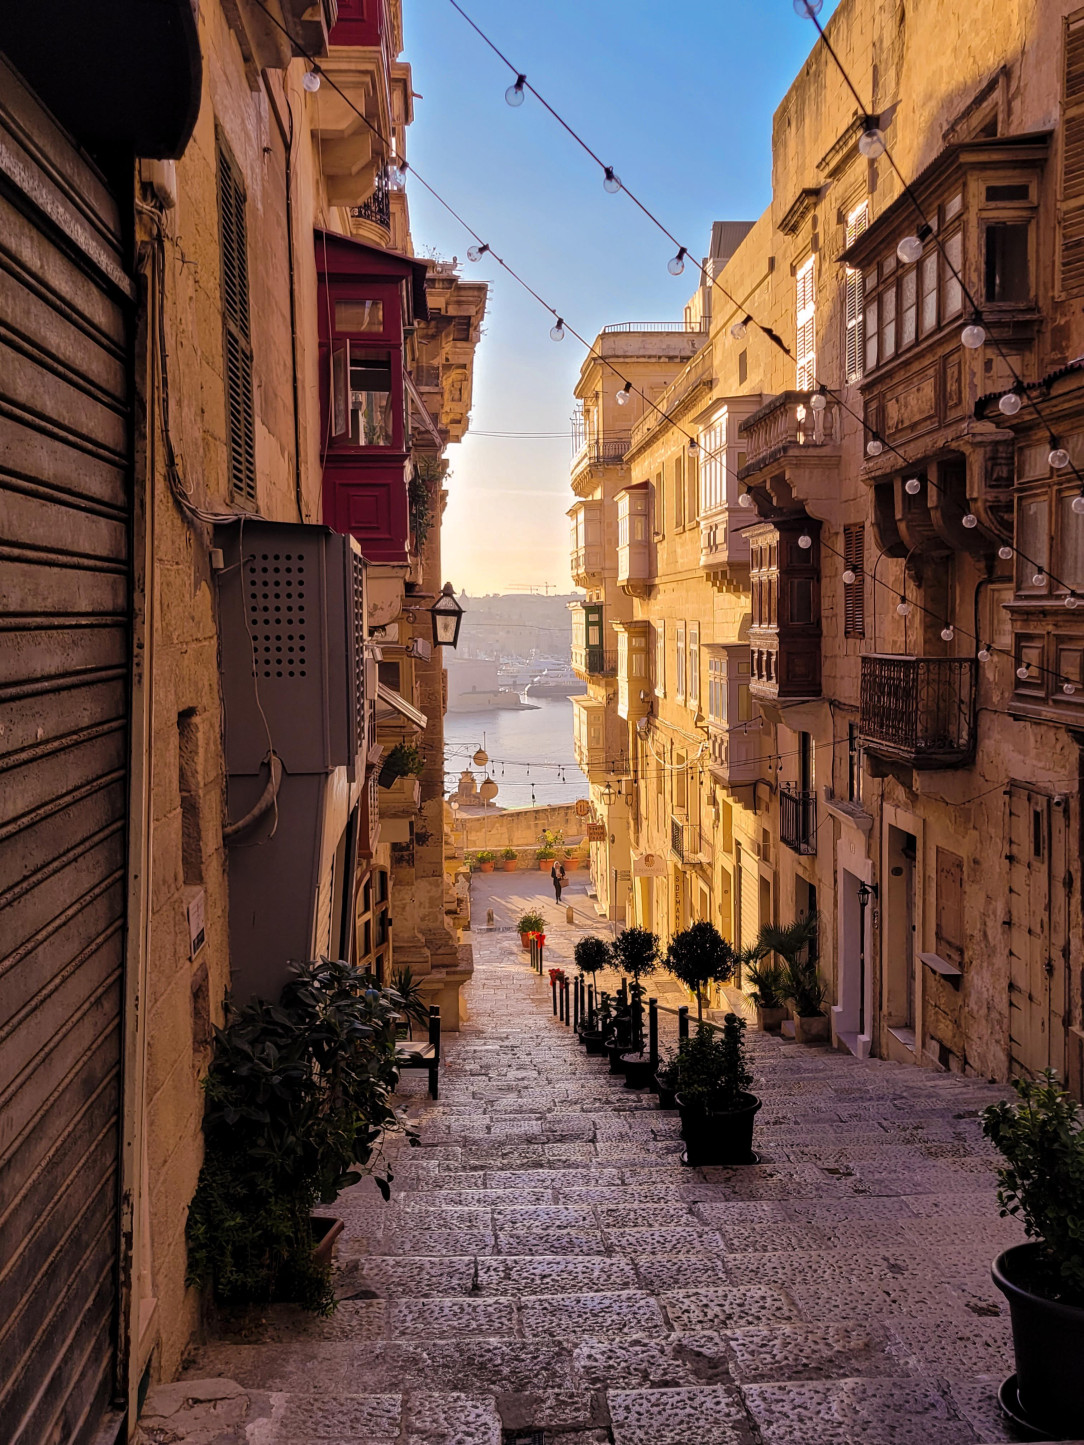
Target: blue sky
678, 98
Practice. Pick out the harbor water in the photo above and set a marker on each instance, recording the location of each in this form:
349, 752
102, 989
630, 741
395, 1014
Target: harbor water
531, 756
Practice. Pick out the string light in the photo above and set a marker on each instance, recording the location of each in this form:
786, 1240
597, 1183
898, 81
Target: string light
397, 172
903, 607
311, 80
909, 250
1022, 671
818, 401
973, 335
1039, 579
1077, 505
807, 8
871, 143
515, 94
623, 394
849, 577
983, 653
805, 541
744, 499
948, 633
912, 486
1072, 600
1068, 687
740, 328
1005, 553
557, 333
475, 253
1010, 403
874, 447
676, 264
611, 184
969, 520
1059, 457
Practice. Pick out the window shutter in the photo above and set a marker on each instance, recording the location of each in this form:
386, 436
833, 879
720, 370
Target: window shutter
857, 222
1072, 161
805, 329
950, 906
240, 408
854, 593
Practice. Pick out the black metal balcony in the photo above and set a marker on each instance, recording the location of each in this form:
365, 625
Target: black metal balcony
378, 207
594, 661
689, 842
798, 819
918, 710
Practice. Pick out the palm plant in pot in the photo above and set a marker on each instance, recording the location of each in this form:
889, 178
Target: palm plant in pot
713, 1096
636, 953
699, 956
1042, 1183
794, 945
592, 954
768, 981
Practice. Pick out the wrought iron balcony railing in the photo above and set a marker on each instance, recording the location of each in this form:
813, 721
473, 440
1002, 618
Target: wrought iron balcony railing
919, 710
605, 451
798, 819
594, 661
378, 206
689, 842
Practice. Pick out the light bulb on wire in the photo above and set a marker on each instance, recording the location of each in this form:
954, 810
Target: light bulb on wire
515, 94
475, 253
903, 607
1068, 688
805, 541
1077, 505
623, 395
912, 486
871, 143
1072, 600
1058, 458
909, 250
874, 447
740, 328
1010, 403
806, 9
397, 173
676, 264
818, 401
744, 499
1023, 671
557, 332
973, 335
611, 184
849, 577
983, 654
1039, 579
1005, 553
311, 80
969, 520
947, 633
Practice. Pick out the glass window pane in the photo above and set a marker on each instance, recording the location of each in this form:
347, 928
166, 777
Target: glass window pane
871, 334
953, 299
908, 294
888, 323
1069, 541
1007, 277
929, 292
359, 315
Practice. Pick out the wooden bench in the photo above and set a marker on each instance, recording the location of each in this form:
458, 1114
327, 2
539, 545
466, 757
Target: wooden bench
412, 1055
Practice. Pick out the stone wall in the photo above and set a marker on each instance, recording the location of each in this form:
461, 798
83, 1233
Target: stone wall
520, 827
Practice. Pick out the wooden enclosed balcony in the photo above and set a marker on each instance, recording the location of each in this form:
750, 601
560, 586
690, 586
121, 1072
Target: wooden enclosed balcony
918, 710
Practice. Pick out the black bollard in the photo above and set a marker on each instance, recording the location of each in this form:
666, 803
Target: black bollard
577, 1011
590, 1007
567, 991
553, 989
683, 1022
653, 1036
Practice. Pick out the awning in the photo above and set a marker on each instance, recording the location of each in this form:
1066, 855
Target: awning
423, 411
397, 703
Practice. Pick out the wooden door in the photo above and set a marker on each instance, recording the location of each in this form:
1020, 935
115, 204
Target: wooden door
1038, 938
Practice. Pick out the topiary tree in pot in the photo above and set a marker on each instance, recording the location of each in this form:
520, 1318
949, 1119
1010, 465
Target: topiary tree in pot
1041, 1137
699, 956
635, 951
713, 1095
592, 955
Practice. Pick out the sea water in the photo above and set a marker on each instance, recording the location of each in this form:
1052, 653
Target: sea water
530, 753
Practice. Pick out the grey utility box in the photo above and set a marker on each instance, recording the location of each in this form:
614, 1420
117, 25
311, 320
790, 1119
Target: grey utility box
292, 633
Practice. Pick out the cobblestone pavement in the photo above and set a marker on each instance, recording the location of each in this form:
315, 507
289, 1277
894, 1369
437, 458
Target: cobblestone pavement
547, 1264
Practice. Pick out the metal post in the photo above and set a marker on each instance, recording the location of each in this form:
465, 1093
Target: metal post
591, 1007
566, 991
653, 1036
553, 989
576, 1010
683, 1021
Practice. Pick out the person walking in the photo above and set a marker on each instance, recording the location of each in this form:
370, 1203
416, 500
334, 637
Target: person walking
558, 874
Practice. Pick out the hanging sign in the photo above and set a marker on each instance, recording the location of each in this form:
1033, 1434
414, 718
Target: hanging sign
596, 832
649, 865
583, 807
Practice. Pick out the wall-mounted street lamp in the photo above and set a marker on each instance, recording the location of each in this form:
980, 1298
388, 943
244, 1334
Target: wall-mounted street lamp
447, 617
866, 891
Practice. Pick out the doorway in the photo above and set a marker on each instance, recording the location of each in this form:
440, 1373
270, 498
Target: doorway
851, 1012
1038, 940
900, 959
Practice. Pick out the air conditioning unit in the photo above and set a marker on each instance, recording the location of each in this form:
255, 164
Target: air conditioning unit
297, 696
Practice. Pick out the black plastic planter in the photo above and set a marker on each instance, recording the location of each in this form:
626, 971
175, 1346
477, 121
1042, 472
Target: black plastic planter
638, 1070
1047, 1392
667, 1096
593, 1041
616, 1052
719, 1139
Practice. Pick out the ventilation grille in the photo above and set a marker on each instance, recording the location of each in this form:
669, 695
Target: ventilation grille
358, 640
276, 615
240, 409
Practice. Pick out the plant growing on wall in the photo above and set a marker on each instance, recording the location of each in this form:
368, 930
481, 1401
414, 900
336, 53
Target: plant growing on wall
298, 1096
404, 760
699, 956
420, 503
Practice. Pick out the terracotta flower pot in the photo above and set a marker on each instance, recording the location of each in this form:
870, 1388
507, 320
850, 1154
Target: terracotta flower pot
571, 864
1047, 1391
545, 864
325, 1234
485, 867
525, 940
814, 1030
509, 865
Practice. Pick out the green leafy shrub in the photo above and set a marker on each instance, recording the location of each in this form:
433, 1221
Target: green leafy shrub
793, 945
698, 956
541, 854
1042, 1180
298, 1097
712, 1070
485, 855
509, 855
531, 922
635, 951
405, 760
591, 954
769, 982
409, 994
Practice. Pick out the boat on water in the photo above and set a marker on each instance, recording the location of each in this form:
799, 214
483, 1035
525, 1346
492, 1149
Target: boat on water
492, 699
555, 682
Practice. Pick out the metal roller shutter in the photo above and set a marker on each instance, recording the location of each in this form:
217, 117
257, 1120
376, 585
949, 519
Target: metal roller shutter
65, 513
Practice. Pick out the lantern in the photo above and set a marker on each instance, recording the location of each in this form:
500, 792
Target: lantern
447, 616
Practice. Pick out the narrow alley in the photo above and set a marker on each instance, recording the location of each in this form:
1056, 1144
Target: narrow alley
548, 1271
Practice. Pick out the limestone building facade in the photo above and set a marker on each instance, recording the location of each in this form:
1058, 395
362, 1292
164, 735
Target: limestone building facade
854, 583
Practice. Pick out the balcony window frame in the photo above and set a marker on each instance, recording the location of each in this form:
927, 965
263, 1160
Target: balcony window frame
805, 325
660, 659
692, 682
854, 318
679, 662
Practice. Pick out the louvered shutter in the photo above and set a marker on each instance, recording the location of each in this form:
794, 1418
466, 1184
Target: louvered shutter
805, 334
857, 222
1072, 161
854, 593
240, 408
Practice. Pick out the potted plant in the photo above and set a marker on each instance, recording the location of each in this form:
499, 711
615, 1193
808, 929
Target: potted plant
298, 1104
595, 1043
413, 1008
666, 1081
545, 857
635, 952
803, 984
699, 956
551, 840
404, 760
509, 860
529, 923
592, 954
1042, 1183
768, 980
485, 859
713, 1096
